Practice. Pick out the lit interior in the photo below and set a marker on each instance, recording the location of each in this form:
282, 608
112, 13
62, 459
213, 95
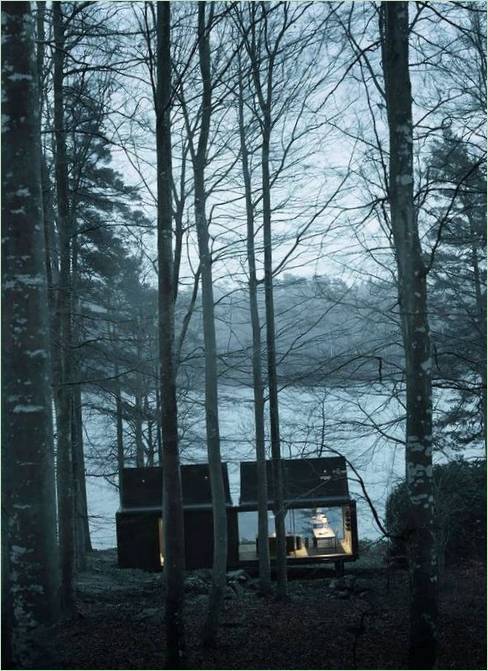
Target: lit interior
311, 532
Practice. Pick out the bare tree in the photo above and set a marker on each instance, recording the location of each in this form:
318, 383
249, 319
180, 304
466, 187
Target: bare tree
199, 158
64, 391
260, 43
258, 383
174, 545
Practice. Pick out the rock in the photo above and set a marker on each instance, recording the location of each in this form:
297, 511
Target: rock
196, 585
253, 584
342, 594
361, 585
337, 584
237, 576
154, 614
233, 590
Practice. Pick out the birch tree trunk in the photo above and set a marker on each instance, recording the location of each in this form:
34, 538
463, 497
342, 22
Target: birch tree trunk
415, 329
174, 563
30, 574
211, 393
258, 384
64, 392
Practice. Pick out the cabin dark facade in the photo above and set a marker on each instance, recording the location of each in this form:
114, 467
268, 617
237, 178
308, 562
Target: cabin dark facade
139, 520
321, 521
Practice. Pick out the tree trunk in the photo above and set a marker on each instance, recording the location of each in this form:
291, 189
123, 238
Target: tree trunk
138, 425
416, 338
258, 385
47, 205
172, 500
64, 392
265, 99
120, 433
159, 441
481, 322
279, 501
81, 528
211, 393
30, 577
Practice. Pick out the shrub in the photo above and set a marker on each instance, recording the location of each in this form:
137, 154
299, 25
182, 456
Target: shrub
459, 512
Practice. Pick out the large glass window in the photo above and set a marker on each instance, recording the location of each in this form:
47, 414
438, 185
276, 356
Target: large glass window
310, 532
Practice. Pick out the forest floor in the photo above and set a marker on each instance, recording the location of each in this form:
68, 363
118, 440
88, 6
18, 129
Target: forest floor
118, 621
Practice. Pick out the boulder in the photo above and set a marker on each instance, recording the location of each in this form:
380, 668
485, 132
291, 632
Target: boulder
196, 584
237, 576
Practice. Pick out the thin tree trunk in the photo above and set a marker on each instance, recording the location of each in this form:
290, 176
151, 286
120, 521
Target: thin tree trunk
82, 532
211, 392
172, 500
279, 500
258, 385
416, 338
138, 426
45, 191
150, 442
481, 319
64, 454
30, 577
119, 425
265, 99
159, 441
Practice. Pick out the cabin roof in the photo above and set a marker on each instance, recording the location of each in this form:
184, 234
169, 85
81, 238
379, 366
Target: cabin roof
311, 482
142, 487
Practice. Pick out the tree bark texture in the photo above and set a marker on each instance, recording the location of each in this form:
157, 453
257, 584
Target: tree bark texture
64, 391
172, 500
211, 393
30, 577
416, 338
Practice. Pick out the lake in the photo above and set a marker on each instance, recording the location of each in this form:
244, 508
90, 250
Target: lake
365, 427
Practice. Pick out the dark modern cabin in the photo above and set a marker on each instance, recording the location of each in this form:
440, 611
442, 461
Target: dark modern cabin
320, 522
139, 520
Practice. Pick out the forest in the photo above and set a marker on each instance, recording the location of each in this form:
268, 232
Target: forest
244, 334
